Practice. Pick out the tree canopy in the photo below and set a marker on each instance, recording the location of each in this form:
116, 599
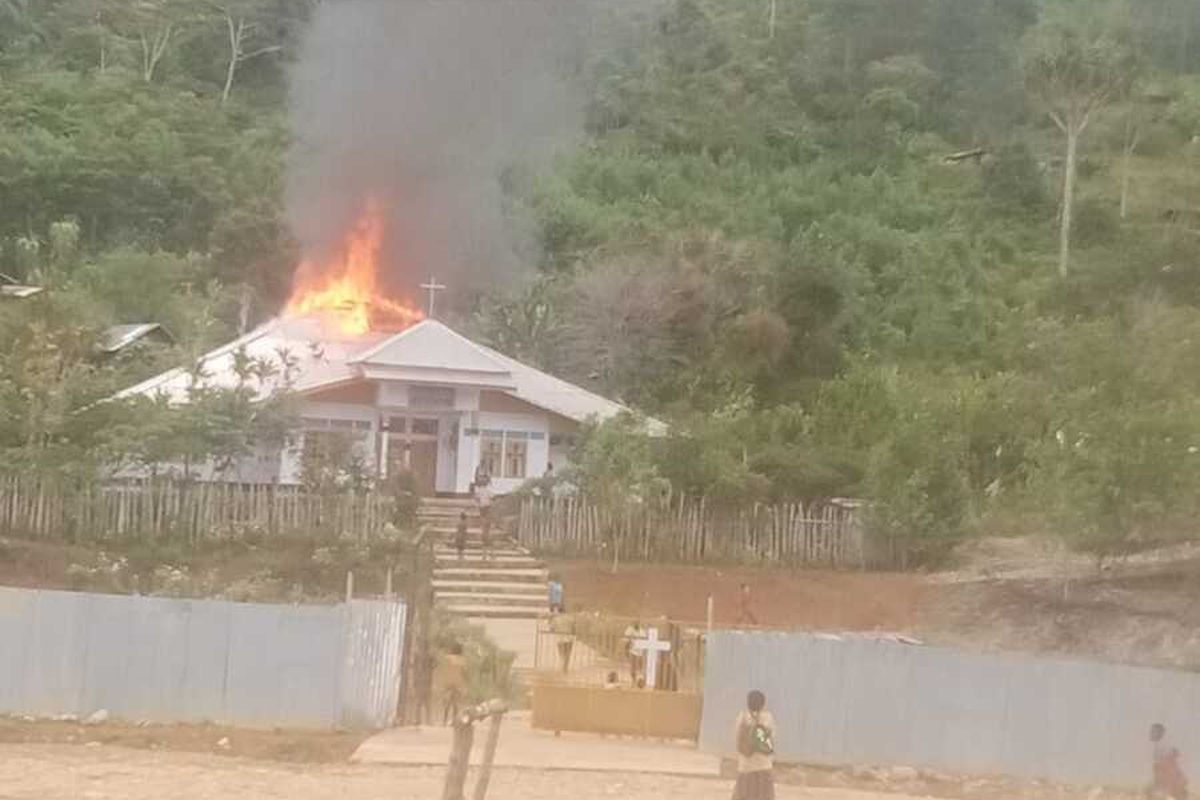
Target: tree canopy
825, 239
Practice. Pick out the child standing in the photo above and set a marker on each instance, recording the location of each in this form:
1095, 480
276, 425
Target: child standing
1168, 778
460, 535
555, 595
755, 739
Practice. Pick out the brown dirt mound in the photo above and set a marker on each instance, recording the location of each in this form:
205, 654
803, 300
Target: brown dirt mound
818, 599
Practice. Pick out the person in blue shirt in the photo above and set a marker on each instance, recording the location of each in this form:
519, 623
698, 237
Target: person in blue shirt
555, 595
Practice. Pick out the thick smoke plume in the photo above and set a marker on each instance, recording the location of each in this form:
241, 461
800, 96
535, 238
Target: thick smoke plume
422, 104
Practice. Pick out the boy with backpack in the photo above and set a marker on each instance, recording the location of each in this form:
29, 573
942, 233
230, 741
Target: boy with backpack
756, 750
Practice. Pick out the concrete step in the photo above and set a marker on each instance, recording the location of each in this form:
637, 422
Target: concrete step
450, 523
480, 566
442, 502
480, 599
508, 575
447, 550
477, 558
448, 514
492, 587
494, 612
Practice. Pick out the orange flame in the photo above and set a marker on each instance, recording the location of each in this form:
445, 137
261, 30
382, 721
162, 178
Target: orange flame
345, 293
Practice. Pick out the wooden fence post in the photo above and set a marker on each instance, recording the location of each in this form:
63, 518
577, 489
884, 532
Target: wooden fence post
460, 753
460, 757
498, 710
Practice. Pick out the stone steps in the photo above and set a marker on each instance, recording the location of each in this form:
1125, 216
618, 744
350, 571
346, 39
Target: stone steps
502, 588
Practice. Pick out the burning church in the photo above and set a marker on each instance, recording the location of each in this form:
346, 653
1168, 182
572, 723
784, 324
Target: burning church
422, 105
410, 392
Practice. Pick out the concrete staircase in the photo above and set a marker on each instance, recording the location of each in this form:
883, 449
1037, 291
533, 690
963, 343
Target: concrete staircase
506, 583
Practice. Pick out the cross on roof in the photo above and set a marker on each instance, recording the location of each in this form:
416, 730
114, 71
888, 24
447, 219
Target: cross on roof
652, 647
433, 287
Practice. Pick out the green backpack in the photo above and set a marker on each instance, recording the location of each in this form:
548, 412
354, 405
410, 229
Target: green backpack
754, 738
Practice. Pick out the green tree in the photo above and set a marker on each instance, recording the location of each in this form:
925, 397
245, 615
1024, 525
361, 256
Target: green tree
614, 467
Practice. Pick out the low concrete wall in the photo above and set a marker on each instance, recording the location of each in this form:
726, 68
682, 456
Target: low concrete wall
628, 712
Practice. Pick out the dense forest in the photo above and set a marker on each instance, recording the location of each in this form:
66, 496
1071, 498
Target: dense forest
941, 254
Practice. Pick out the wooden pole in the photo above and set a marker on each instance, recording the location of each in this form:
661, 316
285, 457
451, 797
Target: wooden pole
489, 754
387, 592
460, 757
349, 585
709, 612
460, 753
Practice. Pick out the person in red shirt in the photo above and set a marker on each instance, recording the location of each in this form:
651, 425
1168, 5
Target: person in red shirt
1169, 780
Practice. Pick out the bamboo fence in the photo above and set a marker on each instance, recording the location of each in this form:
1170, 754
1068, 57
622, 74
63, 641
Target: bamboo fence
51, 507
695, 530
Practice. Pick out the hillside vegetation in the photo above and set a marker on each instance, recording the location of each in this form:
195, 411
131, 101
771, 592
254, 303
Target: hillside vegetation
824, 239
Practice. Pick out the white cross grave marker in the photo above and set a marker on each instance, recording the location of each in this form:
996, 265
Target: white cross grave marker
651, 647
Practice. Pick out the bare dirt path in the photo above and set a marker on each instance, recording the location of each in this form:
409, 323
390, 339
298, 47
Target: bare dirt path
65, 772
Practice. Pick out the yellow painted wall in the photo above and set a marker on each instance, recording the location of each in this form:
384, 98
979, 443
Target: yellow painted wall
630, 712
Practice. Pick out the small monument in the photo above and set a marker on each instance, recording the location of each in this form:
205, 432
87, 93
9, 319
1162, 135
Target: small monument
651, 647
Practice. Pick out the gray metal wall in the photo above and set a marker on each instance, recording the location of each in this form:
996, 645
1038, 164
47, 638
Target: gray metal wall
855, 701
172, 660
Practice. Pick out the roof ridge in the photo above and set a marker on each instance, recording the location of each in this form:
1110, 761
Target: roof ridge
373, 351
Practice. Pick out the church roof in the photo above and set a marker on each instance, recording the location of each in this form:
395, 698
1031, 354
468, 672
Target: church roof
431, 346
428, 352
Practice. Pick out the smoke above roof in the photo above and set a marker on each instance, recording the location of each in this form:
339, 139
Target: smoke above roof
423, 105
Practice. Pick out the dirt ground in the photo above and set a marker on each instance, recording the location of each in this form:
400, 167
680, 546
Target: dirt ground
59, 772
781, 598
1145, 618
310, 747
279, 570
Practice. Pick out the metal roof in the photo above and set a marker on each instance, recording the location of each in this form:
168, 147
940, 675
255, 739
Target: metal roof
430, 349
118, 337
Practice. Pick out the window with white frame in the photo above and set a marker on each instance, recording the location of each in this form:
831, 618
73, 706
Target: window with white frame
516, 453
491, 452
505, 454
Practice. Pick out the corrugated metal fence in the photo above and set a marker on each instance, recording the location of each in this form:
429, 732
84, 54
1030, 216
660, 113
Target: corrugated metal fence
863, 702
169, 660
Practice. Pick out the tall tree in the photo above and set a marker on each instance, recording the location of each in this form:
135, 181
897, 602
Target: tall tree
1074, 72
243, 26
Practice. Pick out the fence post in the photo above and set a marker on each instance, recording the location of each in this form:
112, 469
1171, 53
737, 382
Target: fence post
349, 585
460, 753
498, 710
460, 757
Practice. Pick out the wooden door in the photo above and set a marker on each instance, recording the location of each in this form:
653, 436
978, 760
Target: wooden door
422, 460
